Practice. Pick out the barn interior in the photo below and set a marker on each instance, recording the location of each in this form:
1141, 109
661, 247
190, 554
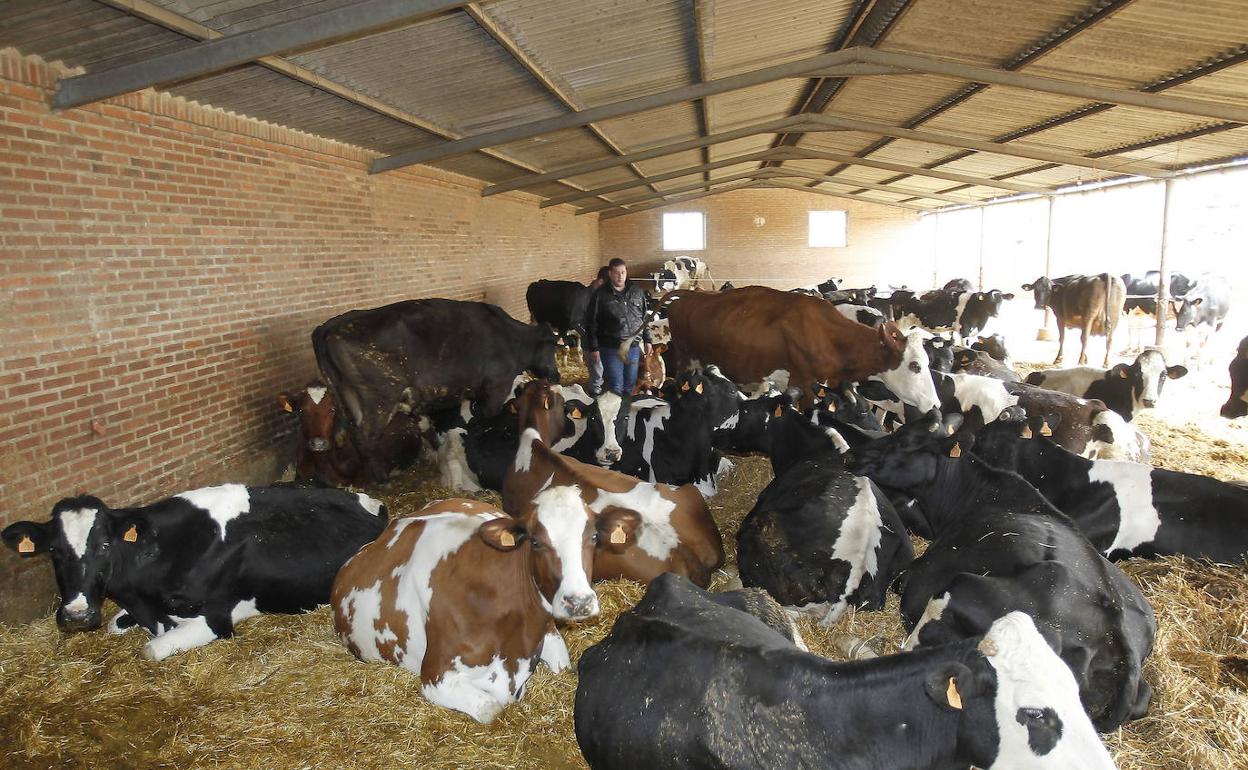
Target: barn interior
189, 187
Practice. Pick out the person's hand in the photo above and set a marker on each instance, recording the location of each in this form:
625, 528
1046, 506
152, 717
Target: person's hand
594, 356
647, 349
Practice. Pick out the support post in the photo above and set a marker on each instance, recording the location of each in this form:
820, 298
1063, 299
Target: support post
1163, 283
982, 213
1044, 333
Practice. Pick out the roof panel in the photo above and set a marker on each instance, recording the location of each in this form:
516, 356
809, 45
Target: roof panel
744, 35
83, 33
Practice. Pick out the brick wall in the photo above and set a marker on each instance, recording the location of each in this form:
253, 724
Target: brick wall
883, 242
163, 265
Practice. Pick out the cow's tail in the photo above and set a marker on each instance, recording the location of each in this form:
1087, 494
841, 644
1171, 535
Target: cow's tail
662, 306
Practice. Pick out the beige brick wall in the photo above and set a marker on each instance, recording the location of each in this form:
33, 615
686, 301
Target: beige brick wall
164, 263
884, 243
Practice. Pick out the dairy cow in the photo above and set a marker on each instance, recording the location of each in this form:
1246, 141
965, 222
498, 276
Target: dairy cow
1091, 303
1237, 404
1125, 388
1000, 700
1204, 310
467, 596
1001, 547
189, 568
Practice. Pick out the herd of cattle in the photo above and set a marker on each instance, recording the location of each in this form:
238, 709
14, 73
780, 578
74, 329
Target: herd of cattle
1025, 638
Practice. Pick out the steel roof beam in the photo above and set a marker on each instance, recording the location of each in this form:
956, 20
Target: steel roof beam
156, 14
799, 123
700, 30
751, 174
801, 68
833, 194
739, 186
538, 73
793, 172
206, 58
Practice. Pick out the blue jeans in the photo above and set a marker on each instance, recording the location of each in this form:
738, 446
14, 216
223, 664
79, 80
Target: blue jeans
595, 373
619, 376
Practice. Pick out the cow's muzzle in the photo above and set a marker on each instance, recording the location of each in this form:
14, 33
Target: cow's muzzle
609, 456
579, 607
318, 445
73, 622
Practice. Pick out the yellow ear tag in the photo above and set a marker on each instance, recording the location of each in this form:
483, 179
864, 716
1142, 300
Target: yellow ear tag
949, 430
698, 389
952, 694
545, 402
1122, 373
576, 413
684, 388
956, 450
822, 393
507, 539
286, 405
512, 405
1027, 431
131, 535
26, 545
779, 411
831, 407
1045, 430
617, 535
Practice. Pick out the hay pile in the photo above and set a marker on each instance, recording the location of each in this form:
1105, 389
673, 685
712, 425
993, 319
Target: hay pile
285, 694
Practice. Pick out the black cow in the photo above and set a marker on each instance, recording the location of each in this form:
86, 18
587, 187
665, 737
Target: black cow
993, 345
829, 285
189, 568
978, 308
1126, 509
1124, 388
1237, 404
863, 314
958, 286
1091, 303
683, 681
1203, 308
936, 309
820, 539
561, 304
419, 355
844, 405
1001, 547
939, 354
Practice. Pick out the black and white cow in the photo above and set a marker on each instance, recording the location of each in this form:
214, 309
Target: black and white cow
958, 285
1237, 404
977, 309
820, 539
1125, 388
910, 381
970, 361
1000, 701
936, 310
1141, 302
1204, 309
1126, 509
863, 314
993, 345
189, 568
845, 405
1001, 547
893, 305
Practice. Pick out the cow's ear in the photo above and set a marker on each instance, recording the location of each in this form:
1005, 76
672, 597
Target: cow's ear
28, 538
129, 530
1008, 296
1027, 287
1119, 372
660, 348
874, 390
979, 295
573, 410
617, 529
1197, 301
503, 533
950, 685
284, 403
1176, 371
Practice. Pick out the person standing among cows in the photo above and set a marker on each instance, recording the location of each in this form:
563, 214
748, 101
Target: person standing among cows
592, 361
616, 309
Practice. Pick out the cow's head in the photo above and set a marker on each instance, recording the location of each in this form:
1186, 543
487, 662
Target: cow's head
910, 457
846, 404
613, 416
1042, 288
561, 533
651, 372
990, 301
911, 379
993, 345
1146, 377
1185, 311
721, 395
542, 356
1237, 404
81, 538
939, 352
902, 302
1022, 709
892, 341
540, 405
320, 430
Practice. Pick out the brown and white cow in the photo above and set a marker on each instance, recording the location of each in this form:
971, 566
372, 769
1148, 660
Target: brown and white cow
651, 372
755, 333
644, 528
1091, 303
325, 451
467, 597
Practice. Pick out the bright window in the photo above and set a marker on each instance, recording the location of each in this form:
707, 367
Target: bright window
827, 228
684, 231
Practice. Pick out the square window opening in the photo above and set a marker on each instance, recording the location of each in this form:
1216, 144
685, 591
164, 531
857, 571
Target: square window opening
828, 229
684, 231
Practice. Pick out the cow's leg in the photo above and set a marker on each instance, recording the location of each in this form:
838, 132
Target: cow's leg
188, 634
123, 622
555, 651
481, 692
1085, 332
1061, 341
1110, 326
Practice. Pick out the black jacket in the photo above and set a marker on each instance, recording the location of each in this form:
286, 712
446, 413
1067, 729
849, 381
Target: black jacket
613, 314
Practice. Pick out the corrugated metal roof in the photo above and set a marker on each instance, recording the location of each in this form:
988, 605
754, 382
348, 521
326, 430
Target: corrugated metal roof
511, 62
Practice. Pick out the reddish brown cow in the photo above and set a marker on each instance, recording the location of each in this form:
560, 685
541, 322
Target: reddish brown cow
463, 595
755, 334
651, 372
644, 529
325, 451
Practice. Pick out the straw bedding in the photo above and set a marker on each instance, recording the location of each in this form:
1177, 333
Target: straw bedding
285, 694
